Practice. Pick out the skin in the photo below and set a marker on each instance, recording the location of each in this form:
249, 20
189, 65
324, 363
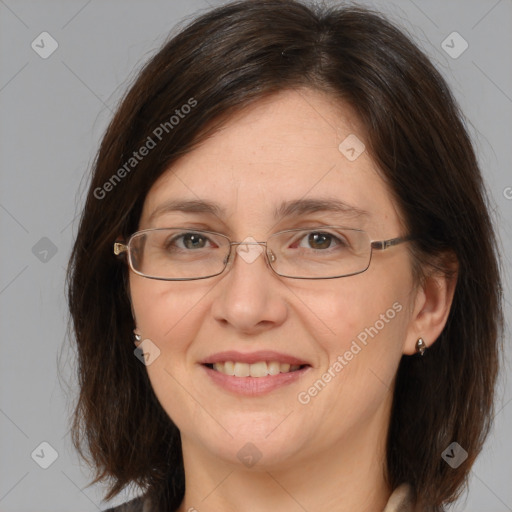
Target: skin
328, 454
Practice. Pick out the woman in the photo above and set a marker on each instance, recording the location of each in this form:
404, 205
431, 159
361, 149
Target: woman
287, 222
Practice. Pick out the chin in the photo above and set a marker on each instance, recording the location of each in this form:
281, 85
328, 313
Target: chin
256, 443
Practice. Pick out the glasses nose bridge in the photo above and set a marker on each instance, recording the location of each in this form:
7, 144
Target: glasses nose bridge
248, 243
268, 256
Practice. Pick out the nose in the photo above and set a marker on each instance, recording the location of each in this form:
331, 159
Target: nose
250, 298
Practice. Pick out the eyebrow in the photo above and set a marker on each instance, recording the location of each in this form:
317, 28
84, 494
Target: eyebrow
187, 206
297, 208
300, 207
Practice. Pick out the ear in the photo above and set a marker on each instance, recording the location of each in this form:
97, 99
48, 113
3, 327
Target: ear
432, 303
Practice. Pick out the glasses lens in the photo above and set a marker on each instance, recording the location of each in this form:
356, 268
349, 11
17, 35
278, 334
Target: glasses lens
178, 253
320, 252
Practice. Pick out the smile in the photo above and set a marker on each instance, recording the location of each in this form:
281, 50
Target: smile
255, 373
258, 369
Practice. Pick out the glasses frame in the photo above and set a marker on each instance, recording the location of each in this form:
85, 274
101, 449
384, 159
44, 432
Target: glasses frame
121, 248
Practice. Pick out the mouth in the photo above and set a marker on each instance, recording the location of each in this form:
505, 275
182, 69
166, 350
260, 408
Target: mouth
255, 373
257, 370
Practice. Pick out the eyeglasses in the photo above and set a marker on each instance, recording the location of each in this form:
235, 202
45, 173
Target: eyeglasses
180, 254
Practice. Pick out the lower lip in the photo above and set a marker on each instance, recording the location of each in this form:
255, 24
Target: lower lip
254, 386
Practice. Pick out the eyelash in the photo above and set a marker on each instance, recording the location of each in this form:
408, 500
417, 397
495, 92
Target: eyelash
296, 241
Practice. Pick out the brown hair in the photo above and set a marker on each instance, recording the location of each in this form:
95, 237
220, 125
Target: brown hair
220, 63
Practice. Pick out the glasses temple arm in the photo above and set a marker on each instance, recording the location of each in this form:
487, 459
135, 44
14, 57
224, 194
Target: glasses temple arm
384, 244
119, 248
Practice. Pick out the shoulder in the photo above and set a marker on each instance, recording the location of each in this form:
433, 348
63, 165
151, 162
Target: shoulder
141, 504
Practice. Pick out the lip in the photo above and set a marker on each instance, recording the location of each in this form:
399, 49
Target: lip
253, 386
253, 357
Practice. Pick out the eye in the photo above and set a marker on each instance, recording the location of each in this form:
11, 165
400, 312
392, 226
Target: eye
188, 241
321, 240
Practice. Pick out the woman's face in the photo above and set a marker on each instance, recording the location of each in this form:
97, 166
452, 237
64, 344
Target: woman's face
348, 334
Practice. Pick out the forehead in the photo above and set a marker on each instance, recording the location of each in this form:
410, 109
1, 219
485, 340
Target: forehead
281, 149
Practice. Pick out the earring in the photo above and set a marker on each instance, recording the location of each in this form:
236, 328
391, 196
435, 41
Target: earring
421, 346
138, 337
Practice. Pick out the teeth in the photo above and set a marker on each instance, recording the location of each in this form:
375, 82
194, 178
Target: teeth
259, 369
273, 368
242, 370
229, 368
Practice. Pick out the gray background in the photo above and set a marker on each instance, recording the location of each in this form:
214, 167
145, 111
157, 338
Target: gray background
52, 114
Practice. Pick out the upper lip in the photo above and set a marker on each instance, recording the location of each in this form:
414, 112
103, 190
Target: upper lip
253, 357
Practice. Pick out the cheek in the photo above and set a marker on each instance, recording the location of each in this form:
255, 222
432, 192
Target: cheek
363, 345
361, 334
364, 323
168, 313
358, 309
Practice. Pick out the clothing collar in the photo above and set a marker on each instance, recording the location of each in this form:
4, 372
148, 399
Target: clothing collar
400, 500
